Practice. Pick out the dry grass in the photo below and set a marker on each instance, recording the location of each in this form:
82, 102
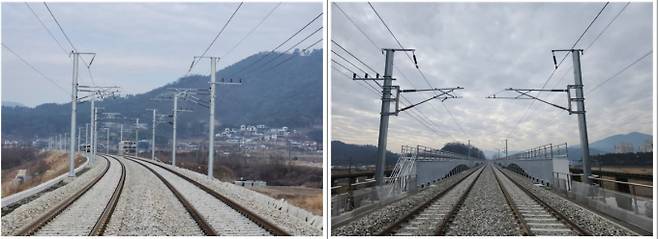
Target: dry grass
303, 197
46, 166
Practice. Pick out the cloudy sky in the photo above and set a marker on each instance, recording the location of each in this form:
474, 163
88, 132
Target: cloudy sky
140, 46
486, 47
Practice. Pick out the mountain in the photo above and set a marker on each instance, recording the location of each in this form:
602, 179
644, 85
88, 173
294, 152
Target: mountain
289, 94
343, 154
607, 145
7, 103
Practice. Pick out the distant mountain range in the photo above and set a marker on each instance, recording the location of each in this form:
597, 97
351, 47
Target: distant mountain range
12, 104
343, 154
289, 94
607, 145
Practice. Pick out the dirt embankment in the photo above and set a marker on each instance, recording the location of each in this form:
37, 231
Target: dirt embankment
39, 167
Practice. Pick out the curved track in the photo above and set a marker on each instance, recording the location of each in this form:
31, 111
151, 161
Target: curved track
64, 219
223, 215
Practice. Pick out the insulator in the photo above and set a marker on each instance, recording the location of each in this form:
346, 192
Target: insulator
366, 75
354, 76
377, 75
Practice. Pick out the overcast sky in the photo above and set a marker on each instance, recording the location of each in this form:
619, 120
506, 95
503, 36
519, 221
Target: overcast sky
140, 46
486, 47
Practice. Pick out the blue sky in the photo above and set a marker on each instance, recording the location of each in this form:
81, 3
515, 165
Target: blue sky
139, 46
486, 47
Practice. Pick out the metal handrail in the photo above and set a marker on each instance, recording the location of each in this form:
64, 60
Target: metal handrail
607, 180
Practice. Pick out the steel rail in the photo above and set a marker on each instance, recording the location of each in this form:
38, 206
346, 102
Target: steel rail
196, 216
442, 228
32, 227
104, 219
258, 220
525, 230
551, 210
396, 225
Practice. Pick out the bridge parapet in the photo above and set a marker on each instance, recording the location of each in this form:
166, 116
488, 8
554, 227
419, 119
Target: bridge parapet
421, 165
538, 163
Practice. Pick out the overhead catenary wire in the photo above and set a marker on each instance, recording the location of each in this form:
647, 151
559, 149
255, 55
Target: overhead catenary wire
52, 36
66, 36
596, 87
413, 62
420, 118
550, 76
35, 69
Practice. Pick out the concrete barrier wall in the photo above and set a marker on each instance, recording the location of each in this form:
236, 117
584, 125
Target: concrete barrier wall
541, 169
431, 170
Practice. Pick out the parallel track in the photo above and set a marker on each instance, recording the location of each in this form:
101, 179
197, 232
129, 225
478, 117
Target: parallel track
434, 216
102, 220
534, 216
253, 217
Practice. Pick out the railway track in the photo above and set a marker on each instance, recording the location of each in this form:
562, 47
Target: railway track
433, 217
65, 218
534, 216
220, 215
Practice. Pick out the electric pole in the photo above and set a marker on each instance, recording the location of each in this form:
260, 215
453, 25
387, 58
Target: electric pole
136, 136
469, 149
153, 135
121, 133
387, 98
86, 135
506, 154
211, 121
173, 142
79, 133
107, 141
580, 104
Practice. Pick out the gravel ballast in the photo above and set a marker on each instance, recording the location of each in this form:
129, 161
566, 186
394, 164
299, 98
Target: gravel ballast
147, 207
582, 217
485, 211
28, 212
291, 223
225, 220
88, 207
373, 222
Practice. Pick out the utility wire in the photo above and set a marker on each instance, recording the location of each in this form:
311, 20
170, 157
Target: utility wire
46, 28
607, 26
364, 84
35, 69
292, 56
410, 58
277, 47
620, 71
411, 111
252, 30
91, 77
291, 47
350, 53
217, 36
550, 76
379, 93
